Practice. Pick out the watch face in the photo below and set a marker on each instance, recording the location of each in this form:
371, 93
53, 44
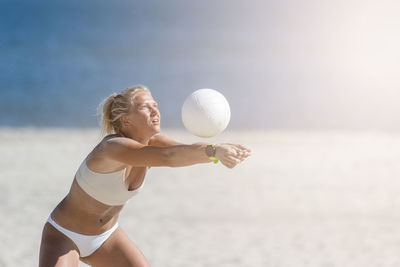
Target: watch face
210, 151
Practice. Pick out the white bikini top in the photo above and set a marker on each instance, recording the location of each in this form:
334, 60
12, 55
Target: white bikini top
108, 188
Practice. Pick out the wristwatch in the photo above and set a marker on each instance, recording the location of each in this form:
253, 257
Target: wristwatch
210, 152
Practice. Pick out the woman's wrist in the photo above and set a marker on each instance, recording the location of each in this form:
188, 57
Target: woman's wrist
211, 151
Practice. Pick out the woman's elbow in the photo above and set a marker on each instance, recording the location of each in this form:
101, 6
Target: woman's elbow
168, 159
172, 160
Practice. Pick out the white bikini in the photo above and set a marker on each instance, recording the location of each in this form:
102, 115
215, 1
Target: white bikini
87, 244
107, 188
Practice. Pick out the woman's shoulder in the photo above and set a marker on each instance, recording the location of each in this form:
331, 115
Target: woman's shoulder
113, 138
117, 142
110, 145
162, 140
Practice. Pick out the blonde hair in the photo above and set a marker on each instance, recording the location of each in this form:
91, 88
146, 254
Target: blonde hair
117, 105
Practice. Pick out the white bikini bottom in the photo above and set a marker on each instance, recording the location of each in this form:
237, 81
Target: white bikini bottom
87, 244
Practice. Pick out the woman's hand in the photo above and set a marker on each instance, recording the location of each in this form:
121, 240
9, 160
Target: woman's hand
231, 154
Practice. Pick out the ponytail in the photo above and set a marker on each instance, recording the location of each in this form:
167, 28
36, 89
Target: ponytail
106, 122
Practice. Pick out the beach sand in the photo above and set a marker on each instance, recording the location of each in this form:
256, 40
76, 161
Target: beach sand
314, 199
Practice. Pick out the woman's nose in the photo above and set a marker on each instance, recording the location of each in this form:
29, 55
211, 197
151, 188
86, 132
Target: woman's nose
154, 111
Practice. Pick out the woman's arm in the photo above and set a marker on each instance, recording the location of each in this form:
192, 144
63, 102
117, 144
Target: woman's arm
134, 154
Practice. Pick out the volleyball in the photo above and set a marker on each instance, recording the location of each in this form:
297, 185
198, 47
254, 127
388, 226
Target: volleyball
206, 113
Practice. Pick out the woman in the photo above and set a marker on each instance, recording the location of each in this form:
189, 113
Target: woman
84, 225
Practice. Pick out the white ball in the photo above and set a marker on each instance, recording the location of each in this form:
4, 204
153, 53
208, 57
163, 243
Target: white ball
206, 113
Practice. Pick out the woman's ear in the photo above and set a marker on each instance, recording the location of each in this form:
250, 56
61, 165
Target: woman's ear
125, 121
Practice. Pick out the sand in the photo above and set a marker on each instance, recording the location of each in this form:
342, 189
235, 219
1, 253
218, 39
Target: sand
311, 198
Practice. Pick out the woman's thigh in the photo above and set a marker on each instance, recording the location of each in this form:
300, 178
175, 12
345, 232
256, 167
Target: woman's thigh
117, 250
56, 250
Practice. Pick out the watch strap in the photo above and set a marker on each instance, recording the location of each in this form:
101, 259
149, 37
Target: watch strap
210, 152
214, 159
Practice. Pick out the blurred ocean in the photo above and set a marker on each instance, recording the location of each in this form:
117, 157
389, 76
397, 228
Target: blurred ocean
60, 59
280, 64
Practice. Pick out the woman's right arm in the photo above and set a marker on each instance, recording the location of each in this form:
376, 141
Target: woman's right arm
135, 154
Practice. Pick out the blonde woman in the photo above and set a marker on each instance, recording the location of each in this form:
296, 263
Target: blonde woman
84, 225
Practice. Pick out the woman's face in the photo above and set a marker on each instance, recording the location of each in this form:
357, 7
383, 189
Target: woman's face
144, 117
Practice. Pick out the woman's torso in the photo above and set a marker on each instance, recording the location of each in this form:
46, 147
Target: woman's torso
81, 213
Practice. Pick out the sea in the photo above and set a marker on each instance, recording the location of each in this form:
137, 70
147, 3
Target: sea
280, 64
